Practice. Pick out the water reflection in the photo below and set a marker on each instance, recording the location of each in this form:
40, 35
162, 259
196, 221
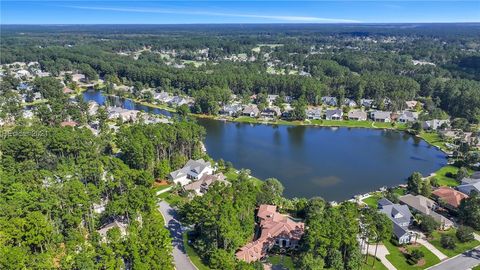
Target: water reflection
334, 163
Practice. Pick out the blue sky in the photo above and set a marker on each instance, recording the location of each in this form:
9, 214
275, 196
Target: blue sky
185, 12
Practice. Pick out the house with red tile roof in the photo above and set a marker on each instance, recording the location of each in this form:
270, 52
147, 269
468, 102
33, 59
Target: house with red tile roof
449, 196
275, 229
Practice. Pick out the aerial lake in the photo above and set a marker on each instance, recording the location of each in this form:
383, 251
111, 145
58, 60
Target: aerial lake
334, 163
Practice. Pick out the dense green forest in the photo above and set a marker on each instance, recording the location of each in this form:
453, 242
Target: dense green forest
373, 62
51, 177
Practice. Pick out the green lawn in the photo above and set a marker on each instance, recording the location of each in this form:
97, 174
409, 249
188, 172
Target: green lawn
434, 139
460, 247
372, 201
476, 267
443, 180
158, 188
400, 191
171, 198
399, 260
369, 265
282, 260
232, 176
358, 124
193, 255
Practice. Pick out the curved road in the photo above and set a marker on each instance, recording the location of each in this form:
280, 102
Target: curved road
181, 260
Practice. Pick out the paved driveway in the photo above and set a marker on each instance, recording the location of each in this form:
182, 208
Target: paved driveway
180, 258
464, 261
382, 253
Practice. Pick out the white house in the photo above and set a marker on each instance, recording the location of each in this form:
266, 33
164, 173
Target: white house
192, 171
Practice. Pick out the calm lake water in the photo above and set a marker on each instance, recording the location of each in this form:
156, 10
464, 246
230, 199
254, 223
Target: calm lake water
334, 163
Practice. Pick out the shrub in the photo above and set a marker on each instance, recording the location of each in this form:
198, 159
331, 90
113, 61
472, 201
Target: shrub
465, 234
415, 256
447, 242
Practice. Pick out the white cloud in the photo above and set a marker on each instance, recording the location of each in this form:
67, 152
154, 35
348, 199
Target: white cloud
288, 18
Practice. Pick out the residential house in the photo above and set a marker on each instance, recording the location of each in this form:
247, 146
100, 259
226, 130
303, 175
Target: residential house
333, 114
426, 206
28, 114
401, 217
123, 114
470, 186
435, 124
288, 99
271, 112
314, 113
24, 86
251, 110
201, 186
275, 229
77, 77
271, 99
162, 97
192, 171
231, 109
449, 197
407, 116
367, 103
22, 73
381, 116
357, 115
412, 104
350, 103
92, 108
68, 91
122, 227
329, 101
178, 101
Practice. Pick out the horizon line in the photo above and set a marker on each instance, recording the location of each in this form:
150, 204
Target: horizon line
238, 23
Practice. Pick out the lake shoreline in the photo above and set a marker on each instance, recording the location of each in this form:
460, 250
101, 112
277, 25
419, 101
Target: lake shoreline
317, 123
346, 125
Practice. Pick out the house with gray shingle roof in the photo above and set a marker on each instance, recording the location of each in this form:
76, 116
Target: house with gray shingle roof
251, 110
192, 171
314, 113
408, 116
330, 101
469, 188
381, 116
357, 115
333, 114
434, 124
401, 217
201, 186
426, 206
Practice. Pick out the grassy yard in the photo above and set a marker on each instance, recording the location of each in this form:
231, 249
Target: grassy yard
434, 139
460, 247
162, 187
443, 179
284, 261
232, 175
399, 260
171, 198
400, 191
369, 264
322, 123
372, 201
476, 267
193, 255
